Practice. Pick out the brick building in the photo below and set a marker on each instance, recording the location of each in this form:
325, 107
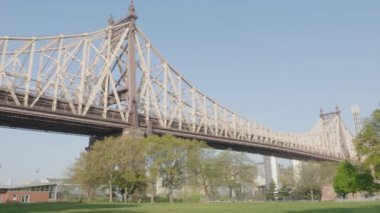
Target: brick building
46, 190
31, 193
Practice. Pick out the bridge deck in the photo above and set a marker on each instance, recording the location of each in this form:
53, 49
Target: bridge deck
21, 117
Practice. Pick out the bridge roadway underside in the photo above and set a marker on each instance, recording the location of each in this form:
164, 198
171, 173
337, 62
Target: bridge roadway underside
26, 118
244, 146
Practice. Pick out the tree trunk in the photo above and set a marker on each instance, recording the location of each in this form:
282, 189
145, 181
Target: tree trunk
312, 194
170, 196
153, 192
89, 195
230, 193
206, 192
110, 189
125, 194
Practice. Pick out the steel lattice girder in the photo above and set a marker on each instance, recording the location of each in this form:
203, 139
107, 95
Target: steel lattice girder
88, 75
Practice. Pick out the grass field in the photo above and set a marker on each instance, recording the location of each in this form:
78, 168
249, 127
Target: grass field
289, 207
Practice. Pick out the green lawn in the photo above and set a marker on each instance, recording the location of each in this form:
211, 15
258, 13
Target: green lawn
258, 207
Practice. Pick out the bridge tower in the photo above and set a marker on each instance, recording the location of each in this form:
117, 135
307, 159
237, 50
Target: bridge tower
129, 74
130, 71
133, 116
343, 142
357, 118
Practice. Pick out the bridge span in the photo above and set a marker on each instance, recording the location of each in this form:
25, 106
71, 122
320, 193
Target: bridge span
113, 80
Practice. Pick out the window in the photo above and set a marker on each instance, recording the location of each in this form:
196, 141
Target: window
25, 199
52, 190
14, 197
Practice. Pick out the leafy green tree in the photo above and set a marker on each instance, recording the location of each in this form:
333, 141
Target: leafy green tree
81, 172
365, 181
284, 192
151, 164
205, 169
236, 169
102, 157
367, 143
168, 156
310, 179
130, 163
110, 161
270, 192
288, 184
313, 176
345, 180
130, 183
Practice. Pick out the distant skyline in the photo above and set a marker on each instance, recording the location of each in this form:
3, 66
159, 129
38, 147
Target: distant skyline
274, 62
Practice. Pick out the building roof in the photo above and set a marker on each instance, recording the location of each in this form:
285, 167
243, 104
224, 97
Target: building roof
50, 180
36, 183
28, 185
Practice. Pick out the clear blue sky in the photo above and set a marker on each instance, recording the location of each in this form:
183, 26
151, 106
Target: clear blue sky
276, 62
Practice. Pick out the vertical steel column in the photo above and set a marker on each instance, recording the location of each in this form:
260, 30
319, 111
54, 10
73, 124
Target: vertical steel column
180, 113
216, 119
205, 124
2, 62
83, 74
165, 108
29, 75
60, 63
146, 81
133, 112
193, 110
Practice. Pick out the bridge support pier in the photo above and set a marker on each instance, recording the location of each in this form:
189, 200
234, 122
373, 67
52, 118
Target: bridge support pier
328, 193
92, 141
134, 132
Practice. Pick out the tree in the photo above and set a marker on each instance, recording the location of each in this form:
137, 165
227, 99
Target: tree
287, 183
112, 160
364, 181
313, 177
270, 193
103, 156
236, 169
151, 165
83, 173
168, 156
367, 143
284, 192
129, 183
310, 179
345, 180
204, 166
130, 162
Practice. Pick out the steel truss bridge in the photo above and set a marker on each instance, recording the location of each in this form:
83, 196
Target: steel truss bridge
115, 80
